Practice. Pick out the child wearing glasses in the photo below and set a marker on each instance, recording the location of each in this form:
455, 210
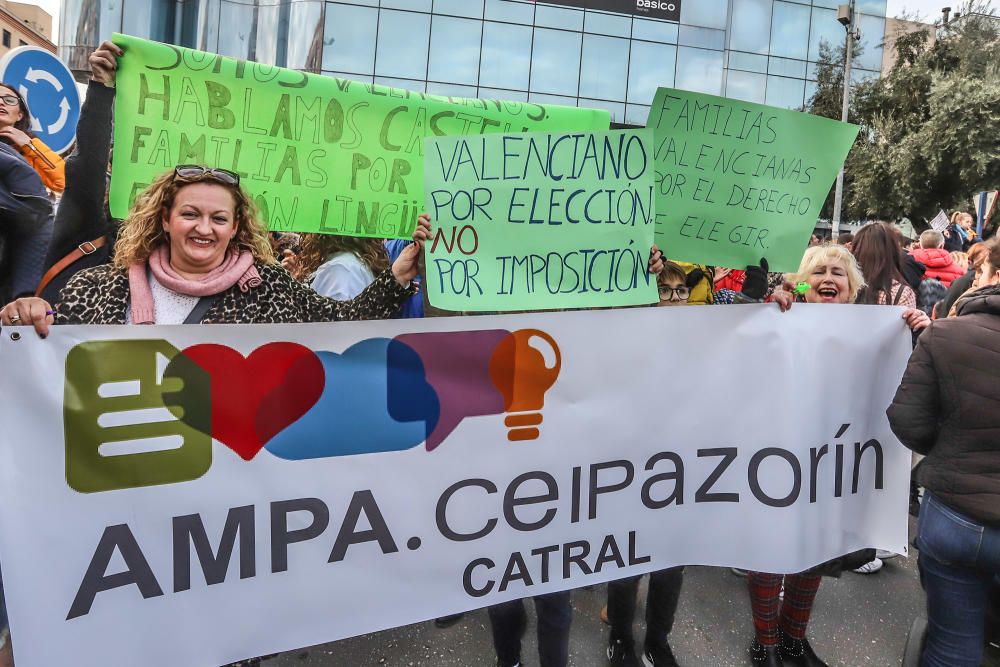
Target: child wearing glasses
672, 283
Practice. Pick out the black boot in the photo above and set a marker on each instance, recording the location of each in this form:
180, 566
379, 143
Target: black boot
798, 652
447, 621
765, 656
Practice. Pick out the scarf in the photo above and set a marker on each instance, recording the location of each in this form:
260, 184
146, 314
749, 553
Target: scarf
236, 269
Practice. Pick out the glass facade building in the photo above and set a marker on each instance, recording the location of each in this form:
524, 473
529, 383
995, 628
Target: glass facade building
755, 50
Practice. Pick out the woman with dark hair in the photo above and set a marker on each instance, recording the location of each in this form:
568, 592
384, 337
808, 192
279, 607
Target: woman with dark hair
880, 256
15, 130
946, 408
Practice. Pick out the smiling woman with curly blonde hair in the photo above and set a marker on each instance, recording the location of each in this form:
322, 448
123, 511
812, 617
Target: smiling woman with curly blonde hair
194, 251
144, 230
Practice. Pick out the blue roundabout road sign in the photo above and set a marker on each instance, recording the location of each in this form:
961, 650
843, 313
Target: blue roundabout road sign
48, 87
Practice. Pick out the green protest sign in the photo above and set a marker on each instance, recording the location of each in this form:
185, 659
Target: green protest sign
737, 181
318, 154
540, 220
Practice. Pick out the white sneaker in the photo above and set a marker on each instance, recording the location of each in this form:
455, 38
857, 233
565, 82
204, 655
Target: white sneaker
885, 555
870, 568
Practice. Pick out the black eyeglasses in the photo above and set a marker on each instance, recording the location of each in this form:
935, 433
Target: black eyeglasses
10, 100
668, 293
197, 171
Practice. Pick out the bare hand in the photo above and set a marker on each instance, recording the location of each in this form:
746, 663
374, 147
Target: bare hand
104, 63
28, 311
16, 136
783, 298
406, 266
655, 260
290, 261
916, 319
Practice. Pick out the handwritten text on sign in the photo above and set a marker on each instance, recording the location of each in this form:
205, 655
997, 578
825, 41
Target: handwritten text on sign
535, 221
319, 154
737, 181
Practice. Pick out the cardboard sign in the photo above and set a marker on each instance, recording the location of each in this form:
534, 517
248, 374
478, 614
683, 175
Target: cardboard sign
319, 154
539, 221
940, 222
737, 182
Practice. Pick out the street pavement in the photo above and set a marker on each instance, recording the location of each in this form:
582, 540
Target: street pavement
858, 620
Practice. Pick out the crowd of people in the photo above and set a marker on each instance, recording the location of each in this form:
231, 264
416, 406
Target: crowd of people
193, 250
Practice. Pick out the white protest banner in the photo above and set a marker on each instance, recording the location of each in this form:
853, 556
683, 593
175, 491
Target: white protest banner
940, 221
423, 466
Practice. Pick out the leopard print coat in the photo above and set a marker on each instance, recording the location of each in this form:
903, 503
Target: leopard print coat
101, 296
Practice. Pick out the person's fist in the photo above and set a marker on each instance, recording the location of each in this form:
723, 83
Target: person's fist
104, 63
407, 265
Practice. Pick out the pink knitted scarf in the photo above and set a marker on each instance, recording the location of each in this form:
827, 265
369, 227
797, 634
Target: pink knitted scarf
236, 268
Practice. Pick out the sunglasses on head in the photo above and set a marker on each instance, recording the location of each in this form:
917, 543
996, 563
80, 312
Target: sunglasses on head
197, 171
10, 100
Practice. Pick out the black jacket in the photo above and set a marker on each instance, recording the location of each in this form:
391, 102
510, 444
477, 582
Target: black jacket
913, 271
959, 286
955, 242
25, 223
948, 407
82, 214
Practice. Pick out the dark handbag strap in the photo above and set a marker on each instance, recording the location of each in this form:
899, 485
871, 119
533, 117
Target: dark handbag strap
201, 309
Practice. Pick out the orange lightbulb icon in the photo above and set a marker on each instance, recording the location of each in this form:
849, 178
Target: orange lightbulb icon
519, 370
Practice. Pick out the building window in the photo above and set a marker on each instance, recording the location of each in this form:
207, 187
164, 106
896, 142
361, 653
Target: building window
746, 86
454, 54
699, 70
21, 42
506, 56
751, 26
350, 39
401, 47
6, 38
551, 52
604, 68
790, 30
650, 66
784, 92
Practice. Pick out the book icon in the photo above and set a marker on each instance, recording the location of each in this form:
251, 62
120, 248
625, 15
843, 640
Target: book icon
122, 417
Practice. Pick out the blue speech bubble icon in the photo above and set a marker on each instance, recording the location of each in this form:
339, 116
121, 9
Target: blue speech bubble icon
374, 401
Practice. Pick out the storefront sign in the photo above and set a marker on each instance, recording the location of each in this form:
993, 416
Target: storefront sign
669, 10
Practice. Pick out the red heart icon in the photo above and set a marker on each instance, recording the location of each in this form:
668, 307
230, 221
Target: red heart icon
256, 397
